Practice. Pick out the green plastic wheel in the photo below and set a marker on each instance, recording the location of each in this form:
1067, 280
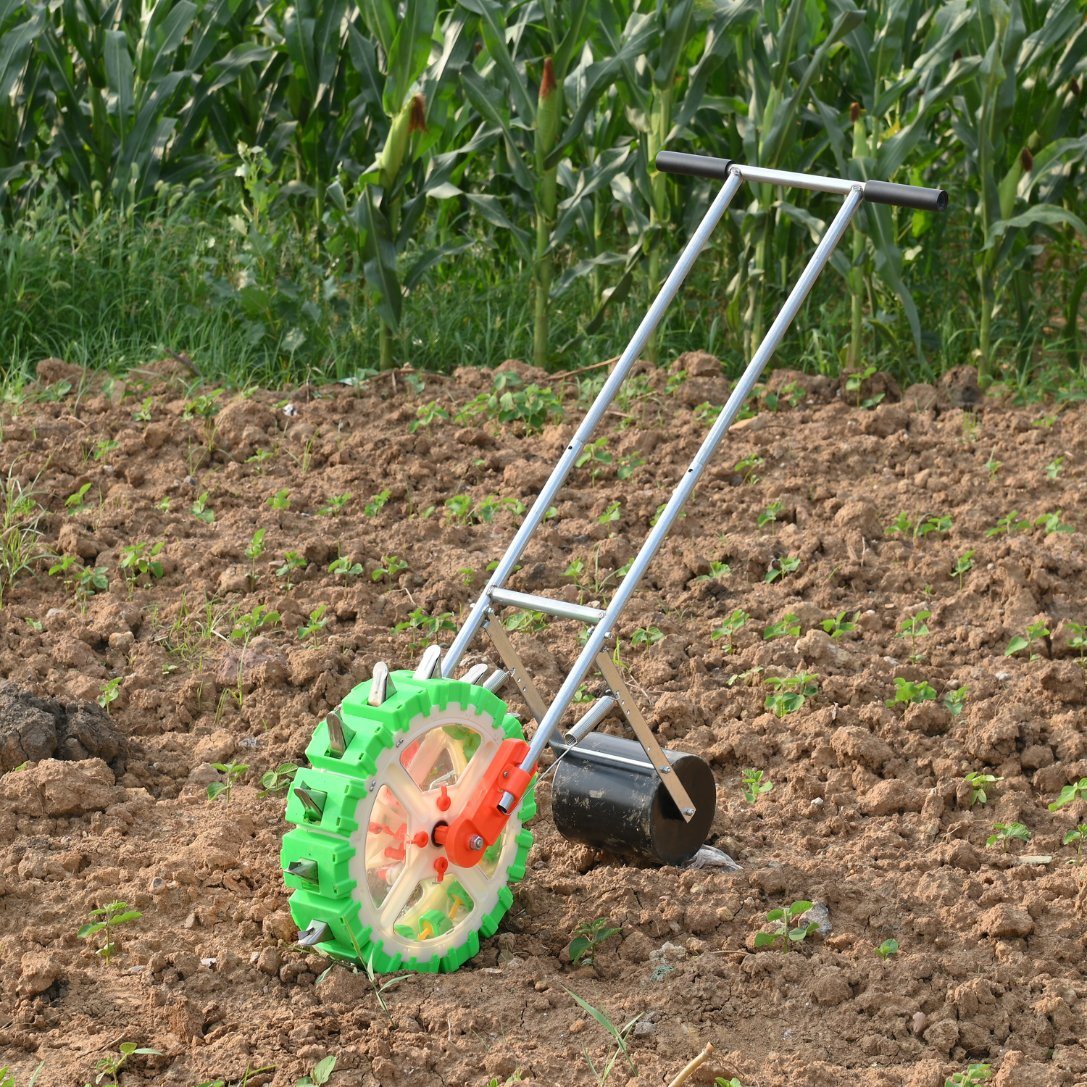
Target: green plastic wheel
369, 883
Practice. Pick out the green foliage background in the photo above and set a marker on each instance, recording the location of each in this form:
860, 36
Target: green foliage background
280, 190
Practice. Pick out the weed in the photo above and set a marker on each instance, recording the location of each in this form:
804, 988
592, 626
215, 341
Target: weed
909, 691
315, 623
788, 626
201, 511
1009, 523
75, 501
644, 637
344, 567
769, 515
106, 919
746, 466
141, 560
109, 1068
390, 567
234, 772
1076, 836
954, 701
717, 570
618, 1034
729, 627
788, 930
974, 1074
109, 693
887, 949
838, 625
1003, 833
1070, 793
277, 780
281, 500
376, 504
587, 939
528, 621
790, 692
7, 1077
292, 561
20, 515
1035, 633
753, 784
781, 567
963, 564
979, 786
335, 504
322, 1070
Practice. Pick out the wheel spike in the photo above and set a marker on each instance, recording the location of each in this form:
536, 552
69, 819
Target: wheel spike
317, 932
496, 680
428, 662
381, 687
313, 802
337, 737
476, 673
303, 870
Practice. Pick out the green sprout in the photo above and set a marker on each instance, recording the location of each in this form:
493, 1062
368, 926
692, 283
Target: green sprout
974, 1074
838, 625
781, 567
908, 691
1076, 836
109, 1068
234, 772
887, 949
322, 1070
963, 565
105, 920
913, 628
717, 570
587, 939
390, 567
955, 701
141, 560
644, 637
753, 784
979, 784
1070, 793
374, 506
788, 626
335, 504
788, 930
1035, 633
1009, 523
790, 692
770, 514
110, 692
281, 500
1003, 833
201, 511
344, 567
315, 623
277, 780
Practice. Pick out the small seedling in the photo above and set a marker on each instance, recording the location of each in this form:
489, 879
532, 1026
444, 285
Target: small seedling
954, 701
109, 1068
588, 938
1003, 833
390, 567
315, 624
913, 628
769, 515
428, 626
281, 500
141, 560
909, 691
1051, 522
426, 415
1054, 467
234, 772
963, 565
788, 930
992, 466
76, 501
292, 561
644, 637
201, 511
277, 780
902, 525
790, 692
612, 513
753, 784
746, 466
1035, 633
979, 785
109, 693
103, 448
1076, 836
887, 949
143, 413
106, 919
374, 506
788, 626
322, 1070
729, 627
528, 621
247, 625
90, 580
838, 625
334, 505
1076, 791
1009, 523
1077, 638
720, 1081
781, 567
938, 523
717, 569
974, 1074
854, 382
255, 548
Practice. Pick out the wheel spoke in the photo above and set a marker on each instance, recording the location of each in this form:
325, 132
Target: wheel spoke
474, 882
401, 891
469, 782
407, 792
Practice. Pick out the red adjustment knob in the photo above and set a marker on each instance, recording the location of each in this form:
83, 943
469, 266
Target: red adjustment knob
443, 799
420, 839
441, 866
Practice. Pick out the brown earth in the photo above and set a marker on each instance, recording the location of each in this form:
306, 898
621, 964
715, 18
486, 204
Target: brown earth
869, 813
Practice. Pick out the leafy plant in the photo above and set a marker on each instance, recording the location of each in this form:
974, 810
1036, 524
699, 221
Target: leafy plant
1009, 523
587, 939
376, 504
1078, 638
344, 567
788, 626
428, 626
746, 466
955, 701
511, 401
109, 693
1051, 522
974, 1074
787, 928
717, 570
321, 1073
291, 563
315, 623
335, 504
141, 560
109, 1068
201, 511
729, 627
89, 581
1076, 836
234, 772
106, 919
1003, 833
390, 567
753, 784
75, 501
790, 692
277, 780
644, 637
888, 949
838, 625
1054, 467
909, 691
1069, 794
281, 500
1035, 633
979, 785
913, 628
611, 514
963, 564
781, 567
769, 514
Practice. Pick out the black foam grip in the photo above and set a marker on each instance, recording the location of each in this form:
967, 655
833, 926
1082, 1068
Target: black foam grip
905, 196
677, 162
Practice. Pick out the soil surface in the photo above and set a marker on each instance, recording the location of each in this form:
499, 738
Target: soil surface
869, 813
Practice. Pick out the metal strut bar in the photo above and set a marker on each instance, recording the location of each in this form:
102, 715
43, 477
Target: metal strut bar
773, 337
584, 432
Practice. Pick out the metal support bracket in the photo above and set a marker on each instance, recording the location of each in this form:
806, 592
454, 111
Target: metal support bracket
492, 627
654, 753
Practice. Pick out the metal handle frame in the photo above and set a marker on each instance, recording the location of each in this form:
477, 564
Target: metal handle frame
605, 625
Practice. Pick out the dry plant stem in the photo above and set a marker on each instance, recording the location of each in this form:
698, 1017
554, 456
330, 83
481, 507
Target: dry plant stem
692, 1066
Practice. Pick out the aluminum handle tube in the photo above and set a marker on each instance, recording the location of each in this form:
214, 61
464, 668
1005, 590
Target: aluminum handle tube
690, 478
584, 432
